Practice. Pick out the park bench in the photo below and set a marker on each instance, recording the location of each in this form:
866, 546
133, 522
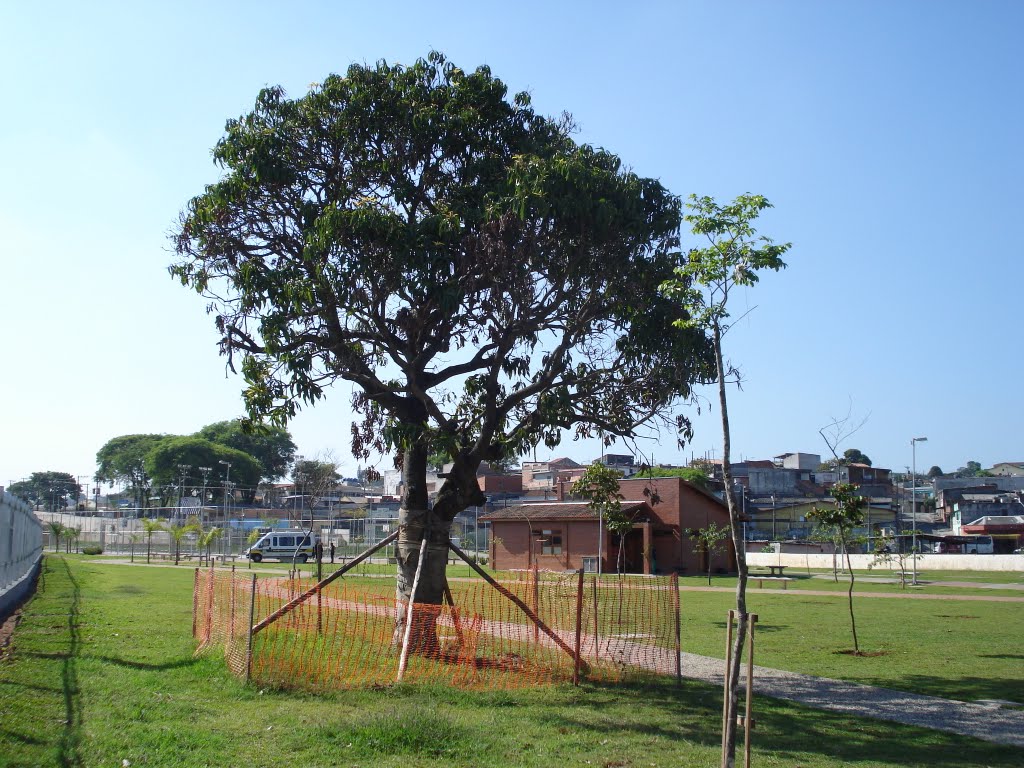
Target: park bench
905, 576
784, 580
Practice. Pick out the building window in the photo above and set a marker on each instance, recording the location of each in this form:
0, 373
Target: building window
551, 543
590, 565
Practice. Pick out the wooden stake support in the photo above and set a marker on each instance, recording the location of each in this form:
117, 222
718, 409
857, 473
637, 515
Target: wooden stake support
579, 627
403, 660
745, 720
523, 606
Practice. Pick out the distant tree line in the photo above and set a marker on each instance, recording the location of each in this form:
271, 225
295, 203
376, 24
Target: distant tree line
155, 465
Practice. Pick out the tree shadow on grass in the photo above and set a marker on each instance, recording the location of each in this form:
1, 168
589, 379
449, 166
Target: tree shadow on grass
1002, 656
6, 735
188, 661
62, 589
70, 741
961, 689
785, 730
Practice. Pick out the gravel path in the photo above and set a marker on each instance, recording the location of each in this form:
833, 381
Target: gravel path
990, 723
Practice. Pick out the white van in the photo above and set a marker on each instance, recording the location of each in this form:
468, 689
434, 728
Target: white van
281, 545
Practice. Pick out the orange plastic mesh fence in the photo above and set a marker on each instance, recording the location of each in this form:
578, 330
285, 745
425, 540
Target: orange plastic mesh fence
222, 604
345, 635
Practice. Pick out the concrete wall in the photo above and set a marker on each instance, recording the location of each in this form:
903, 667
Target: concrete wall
995, 563
21, 543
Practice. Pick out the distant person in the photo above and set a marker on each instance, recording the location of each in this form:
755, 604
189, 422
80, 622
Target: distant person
318, 551
332, 553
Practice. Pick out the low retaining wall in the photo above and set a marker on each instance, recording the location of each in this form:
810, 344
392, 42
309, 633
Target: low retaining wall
1008, 563
14, 595
21, 542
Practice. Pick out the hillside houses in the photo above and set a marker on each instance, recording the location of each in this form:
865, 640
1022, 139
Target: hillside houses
776, 496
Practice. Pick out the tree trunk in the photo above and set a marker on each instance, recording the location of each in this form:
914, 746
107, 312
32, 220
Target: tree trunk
736, 529
416, 522
849, 598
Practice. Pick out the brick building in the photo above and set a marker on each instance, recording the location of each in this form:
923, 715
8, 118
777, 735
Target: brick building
564, 535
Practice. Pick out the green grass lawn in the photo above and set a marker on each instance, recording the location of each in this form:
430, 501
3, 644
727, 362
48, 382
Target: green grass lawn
101, 670
958, 649
930, 582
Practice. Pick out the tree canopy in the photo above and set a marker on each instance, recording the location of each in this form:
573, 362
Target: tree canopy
151, 462
163, 461
123, 460
480, 279
49, 488
972, 469
855, 456
314, 477
271, 446
850, 456
692, 475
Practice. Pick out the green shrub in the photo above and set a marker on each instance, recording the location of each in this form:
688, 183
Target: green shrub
92, 550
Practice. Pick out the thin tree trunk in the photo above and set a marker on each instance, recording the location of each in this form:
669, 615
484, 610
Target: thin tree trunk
849, 598
736, 529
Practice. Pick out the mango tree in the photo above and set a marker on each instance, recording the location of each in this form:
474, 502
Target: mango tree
479, 280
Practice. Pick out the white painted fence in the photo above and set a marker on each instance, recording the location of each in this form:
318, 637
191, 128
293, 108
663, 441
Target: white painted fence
924, 562
21, 550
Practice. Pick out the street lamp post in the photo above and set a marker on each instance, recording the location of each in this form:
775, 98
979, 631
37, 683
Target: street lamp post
202, 500
227, 484
913, 500
183, 469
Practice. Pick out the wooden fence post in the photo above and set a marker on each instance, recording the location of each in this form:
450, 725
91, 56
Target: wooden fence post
679, 641
726, 709
249, 630
748, 722
579, 628
536, 600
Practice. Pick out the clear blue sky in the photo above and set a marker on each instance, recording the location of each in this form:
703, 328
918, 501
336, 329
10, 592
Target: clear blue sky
887, 134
